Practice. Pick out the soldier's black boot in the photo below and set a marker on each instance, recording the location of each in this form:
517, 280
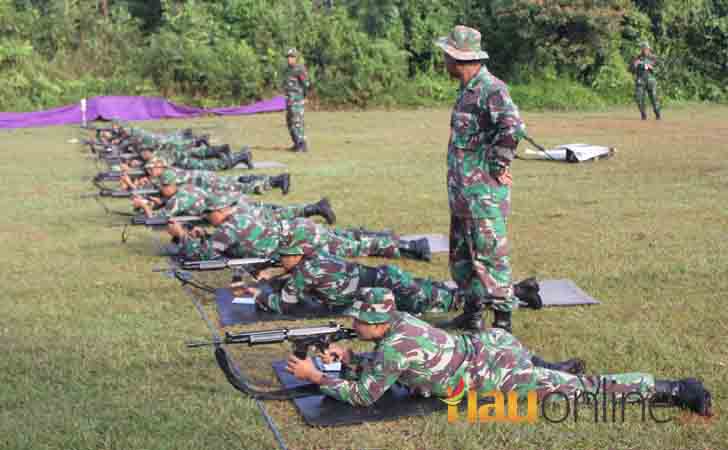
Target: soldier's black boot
282, 181
245, 157
220, 150
658, 116
301, 147
503, 320
205, 140
527, 291
687, 393
321, 208
573, 366
471, 319
416, 249
644, 116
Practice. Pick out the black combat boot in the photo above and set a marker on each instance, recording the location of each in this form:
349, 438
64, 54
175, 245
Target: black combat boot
573, 366
247, 179
526, 291
687, 393
644, 116
471, 319
416, 249
301, 147
245, 157
502, 320
220, 151
321, 208
658, 116
282, 181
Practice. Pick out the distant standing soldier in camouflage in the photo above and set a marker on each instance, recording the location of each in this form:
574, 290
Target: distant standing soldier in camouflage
643, 67
296, 85
485, 128
431, 362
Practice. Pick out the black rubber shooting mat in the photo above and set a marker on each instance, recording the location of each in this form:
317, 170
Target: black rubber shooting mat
232, 310
262, 165
564, 293
439, 243
323, 411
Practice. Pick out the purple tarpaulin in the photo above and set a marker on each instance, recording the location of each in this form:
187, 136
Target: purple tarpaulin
129, 108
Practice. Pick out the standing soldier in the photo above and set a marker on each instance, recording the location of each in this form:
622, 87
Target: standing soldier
643, 67
296, 85
484, 131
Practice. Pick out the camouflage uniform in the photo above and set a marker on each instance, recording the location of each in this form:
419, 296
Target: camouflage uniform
194, 201
210, 181
189, 200
251, 235
643, 68
485, 127
430, 361
180, 156
296, 85
335, 282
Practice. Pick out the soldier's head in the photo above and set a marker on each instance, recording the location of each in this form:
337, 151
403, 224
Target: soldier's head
292, 56
168, 183
463, 54
218, 208
372, 311
155, 166
645, 49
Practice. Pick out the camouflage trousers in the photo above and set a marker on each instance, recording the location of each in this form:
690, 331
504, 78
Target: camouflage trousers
643, 89
480, 262
503, 363
191, 163
294, 122
415, 295
274, 213
338, 242
348, 244
253, 184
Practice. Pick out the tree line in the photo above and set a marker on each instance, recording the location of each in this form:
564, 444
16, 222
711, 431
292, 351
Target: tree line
554, 53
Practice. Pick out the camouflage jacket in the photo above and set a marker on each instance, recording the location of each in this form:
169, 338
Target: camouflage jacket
485, 127
205, 180
296, 83
240, 236
644, 67
327, 278
413, 353
189, 200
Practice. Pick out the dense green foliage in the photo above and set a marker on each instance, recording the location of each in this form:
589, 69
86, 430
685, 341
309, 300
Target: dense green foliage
556, 53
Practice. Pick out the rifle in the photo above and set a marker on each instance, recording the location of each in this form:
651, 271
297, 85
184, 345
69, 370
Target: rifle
116, 176
301, 338
162, 221
122, 194
251, 266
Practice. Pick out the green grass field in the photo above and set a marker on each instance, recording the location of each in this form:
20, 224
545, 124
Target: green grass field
92, 341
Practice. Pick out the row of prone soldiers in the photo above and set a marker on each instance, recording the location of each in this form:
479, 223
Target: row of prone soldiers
384, 300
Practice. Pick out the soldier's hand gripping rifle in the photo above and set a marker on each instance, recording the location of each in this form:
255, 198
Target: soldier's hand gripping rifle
301, 338
157, 222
